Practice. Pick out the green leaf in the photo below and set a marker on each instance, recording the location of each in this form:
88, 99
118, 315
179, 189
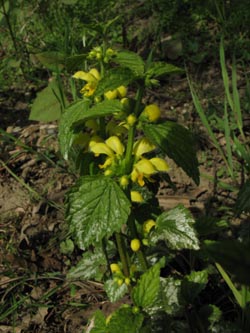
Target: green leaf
210, 314
243, 200
175, 227
75, 62
177, 142
130, 60
46, 106
170, 292
114, 291
193, 284
157, 69
233, 256
208, 225
51, 59
66, 132
67, 246
105, 108
99, 322
91, 266
147, 288
96, 208
125, 321
113, 79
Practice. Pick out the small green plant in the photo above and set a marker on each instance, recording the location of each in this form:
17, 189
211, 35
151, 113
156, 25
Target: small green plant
118, 143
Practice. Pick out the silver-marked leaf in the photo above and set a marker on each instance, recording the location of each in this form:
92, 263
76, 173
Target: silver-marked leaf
176, 228
170, 298
96, 208
177, 142
91, 266
114, 291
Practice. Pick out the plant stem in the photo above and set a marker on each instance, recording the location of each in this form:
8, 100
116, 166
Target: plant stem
122, 254
132, 132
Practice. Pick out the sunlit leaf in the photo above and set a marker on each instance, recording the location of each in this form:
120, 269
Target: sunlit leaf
96, 208
147, 288
176, 228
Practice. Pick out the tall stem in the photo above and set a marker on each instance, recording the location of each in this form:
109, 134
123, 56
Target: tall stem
122, 254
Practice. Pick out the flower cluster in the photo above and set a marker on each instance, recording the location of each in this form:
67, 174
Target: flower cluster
142, 169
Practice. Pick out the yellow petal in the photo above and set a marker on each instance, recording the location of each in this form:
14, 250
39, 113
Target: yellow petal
143, 146
88, 77
136, 196
95, 73
107, 163
115, 144
101, 148
160, 164
144, 166
122, 91
95, 139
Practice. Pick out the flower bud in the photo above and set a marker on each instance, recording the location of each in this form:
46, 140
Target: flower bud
131, 119
124, 181
115, 268
152, 112
135, 244
111, 94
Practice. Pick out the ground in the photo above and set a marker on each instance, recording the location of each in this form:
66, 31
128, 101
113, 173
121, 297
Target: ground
34, 293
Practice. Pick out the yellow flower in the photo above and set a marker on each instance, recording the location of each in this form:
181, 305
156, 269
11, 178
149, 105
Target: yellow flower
115, 144
141, 169
112, 147
92, 77
160, 164
143, 146
148, 225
